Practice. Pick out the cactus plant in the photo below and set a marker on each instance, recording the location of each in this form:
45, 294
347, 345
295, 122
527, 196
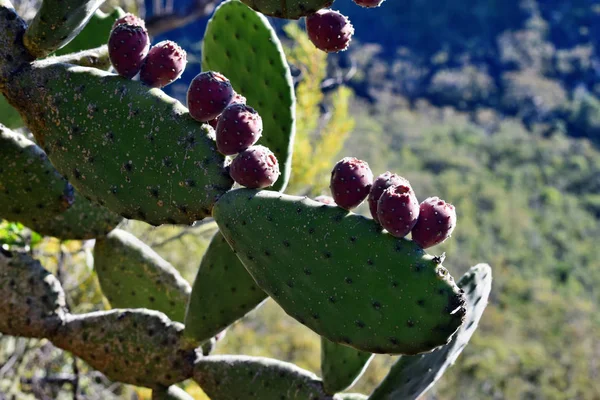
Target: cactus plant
133, 152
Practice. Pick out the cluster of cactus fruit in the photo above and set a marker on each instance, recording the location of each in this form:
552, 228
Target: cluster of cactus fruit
105, 147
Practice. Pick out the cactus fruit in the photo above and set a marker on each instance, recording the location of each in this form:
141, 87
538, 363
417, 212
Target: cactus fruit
171, 393
128, 46
398, 210
32, 302
325, 200
351, 181
329, 30
237, 99
239, 127
412, 376
129, 19
139, 347
31, 190
369, 3
288, 9
140, 155
132, 275
371, 291
223, 292
208, 95
255, 168
263, 75
341, 366
383, 182
243, 377
163, 65
437, 220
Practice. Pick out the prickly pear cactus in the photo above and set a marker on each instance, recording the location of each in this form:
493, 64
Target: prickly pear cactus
339, 274
8, 115
132, 275
289, 9
341, 366
223, 292
31, 190
412, 376
242, 377
252, 58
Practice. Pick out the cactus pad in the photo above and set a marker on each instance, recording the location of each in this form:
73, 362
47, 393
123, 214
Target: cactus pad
339, 274
242, 377
412, 376
223, 292
172, 393
139, 347
32, 301
241, 44
31, 190
341, 366
132, 275
131, 149
8, 115
288, 9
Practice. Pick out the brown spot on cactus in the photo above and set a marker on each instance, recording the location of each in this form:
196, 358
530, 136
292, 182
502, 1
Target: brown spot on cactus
239, 127
128, 46
383, 182
351, 181
164, 64
437, 220
398, 210
329, 30
255, 168
208, 95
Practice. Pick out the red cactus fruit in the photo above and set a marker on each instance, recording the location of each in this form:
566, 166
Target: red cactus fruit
369, 3
255, 168
239, 127
437, 220
383, 182
398, 210
237, 99
329, 30
130, 19
351, 181
163, 65
127, 48
208, 95
325, 200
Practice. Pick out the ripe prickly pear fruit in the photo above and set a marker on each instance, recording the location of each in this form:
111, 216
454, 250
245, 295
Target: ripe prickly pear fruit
369, 3
380, 184
128, 46
437, 220
208, 95
398, 210
237, 99
329, 30
163, 65
130, 19
351, 181
239, 127
255, 168
325, 200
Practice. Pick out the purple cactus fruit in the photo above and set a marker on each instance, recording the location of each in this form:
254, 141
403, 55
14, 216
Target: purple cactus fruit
127, 48
437, 220
369, 3
326, 200
351, 181
130, 19
329, 30
398, 210
163, 65
208, 95
237, 99
255, 168
239, 127
383, 182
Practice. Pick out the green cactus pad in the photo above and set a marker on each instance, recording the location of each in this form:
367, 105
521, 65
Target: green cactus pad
132, 275
242, 377
57, 23
288, 9
31, 190
241, 44
352, 396
8, 115
95, 33
412, 376
341, 366
132, 149
139, 347
223, 292
32, 301
339, 274
172, 393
